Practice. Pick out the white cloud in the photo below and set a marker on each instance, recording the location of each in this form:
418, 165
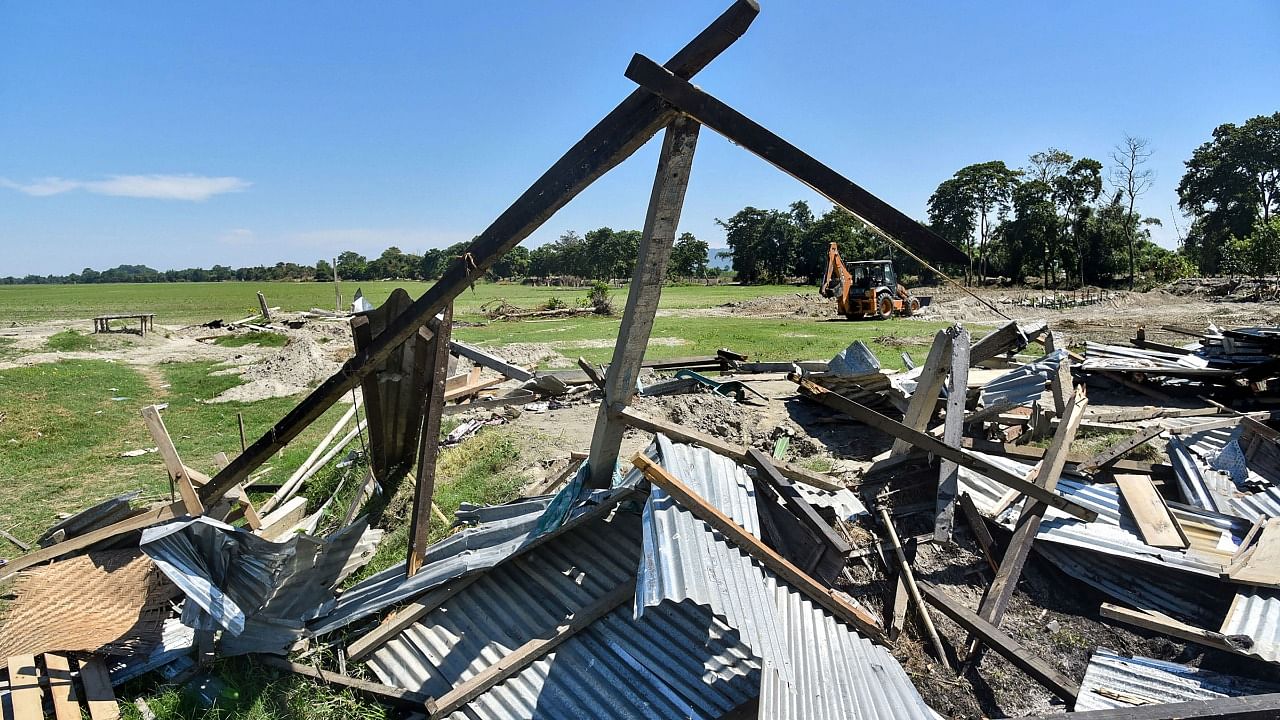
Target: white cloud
195, 188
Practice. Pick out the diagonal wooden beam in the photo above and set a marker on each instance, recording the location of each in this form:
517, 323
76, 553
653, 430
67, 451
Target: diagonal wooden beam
930, 444
924, 401
615, 138
738, 128
437, 354
952, 433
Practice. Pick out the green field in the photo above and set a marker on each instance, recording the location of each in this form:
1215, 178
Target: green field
190, 303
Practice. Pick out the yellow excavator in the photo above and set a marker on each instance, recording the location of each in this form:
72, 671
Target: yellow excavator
867, 289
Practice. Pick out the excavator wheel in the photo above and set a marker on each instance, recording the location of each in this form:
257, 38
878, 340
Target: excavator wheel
911, 306
884, 305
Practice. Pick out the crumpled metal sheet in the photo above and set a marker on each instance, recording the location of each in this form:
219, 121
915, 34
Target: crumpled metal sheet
107, 512
1115, 682
857, 359
248, 586
1023, 384
1255, 614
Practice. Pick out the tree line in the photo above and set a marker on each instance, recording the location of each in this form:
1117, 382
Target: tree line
1057, 220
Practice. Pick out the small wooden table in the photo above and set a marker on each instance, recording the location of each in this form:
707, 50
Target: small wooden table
146, 321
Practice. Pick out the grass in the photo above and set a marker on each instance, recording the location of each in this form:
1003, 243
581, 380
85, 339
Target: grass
8, 348
189, 303
70, 341
253, 337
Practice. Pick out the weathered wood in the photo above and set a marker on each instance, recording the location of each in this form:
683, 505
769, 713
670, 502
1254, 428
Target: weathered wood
1003, 339
952, 433
796, 503
996, 599
1248, 707
980, 530
541, 644
1074, 460
829, 599
591, 371
173, 463
737, 452
262, 305
933, 445
615, 138
1263, 567
24, 688
665, 203
517, 397
1157, 524
1060, 387
901, 601
79, 542
924, 400
437, 352
98, 695
489, 360
372, 690
1114, 452
907, 576
277, 524
282, 494
62, 691
879, 215
24, 547
996, 639
1165, 625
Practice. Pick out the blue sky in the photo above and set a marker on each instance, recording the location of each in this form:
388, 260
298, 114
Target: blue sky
178, 135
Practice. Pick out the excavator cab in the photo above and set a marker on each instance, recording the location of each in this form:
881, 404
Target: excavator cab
867, 289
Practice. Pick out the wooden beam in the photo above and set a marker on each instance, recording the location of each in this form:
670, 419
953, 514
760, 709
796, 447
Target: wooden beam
996, 599
62, 691
1165, 625
1158, 525
924, 400
1074, 460
665, 203
796, 502
1263, 567
928, 443
952, 433
79, 542
1114, 452
980, 530
828, 599
1248, 707
908, 577
24, 688
489, 360
1003, 339
525, 655
881, 216
683, 434
372, 690
437, 356
262, 305
173, 463
615, 138
998, 640
98, 695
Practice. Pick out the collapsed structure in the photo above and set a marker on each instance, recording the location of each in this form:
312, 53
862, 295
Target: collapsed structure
700, 578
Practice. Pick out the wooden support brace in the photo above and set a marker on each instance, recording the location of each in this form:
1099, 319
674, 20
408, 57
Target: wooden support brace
429, 444
924, 401
1114, 452
907, 576
980, 531
372, 690
952, 433
79, 542
828, 599
796, 502
178, 474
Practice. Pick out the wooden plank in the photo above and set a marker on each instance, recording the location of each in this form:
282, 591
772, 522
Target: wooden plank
1263, 567
996, 599
277, 524
1157, 524
1003, 339
24, 688
98, 696
901, 599
437, 353
62, 691
908, 577
615, 138
1060, 387
831, 600
493, 362
880, 215
924, 400
1165, 625
1074, 460
928, 443
996, 639
173, 463
658, 237
542, 643
262, 305
796, 502
952, 433
281, 495
1248, 707
980, 530
79, 542
372, 690
1115, 451
737, 452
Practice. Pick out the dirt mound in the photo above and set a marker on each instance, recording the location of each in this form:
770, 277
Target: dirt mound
809, 304
530, 354
298, 366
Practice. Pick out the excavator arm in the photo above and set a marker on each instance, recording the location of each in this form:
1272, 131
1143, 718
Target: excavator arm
837, 273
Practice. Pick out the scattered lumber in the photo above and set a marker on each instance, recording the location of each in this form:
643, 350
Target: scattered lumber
372, 690
908, 578
1262, 567
1158, 525
1249, 707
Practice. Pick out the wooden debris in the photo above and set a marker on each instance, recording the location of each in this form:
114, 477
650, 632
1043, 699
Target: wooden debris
1262, 567
1249, 707
1155, 521
908, 577
953, 431
1161, 623
372, 690
436, 355
924, 401
1114, 452
178, 473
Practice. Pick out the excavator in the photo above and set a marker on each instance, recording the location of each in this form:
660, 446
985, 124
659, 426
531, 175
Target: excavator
867, 289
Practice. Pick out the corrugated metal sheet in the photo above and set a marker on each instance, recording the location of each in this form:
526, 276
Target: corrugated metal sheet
684, 559
104, 513
1023, 384
1113, 681
676, 662
1255, 614
843, 502
839, 674
176, 641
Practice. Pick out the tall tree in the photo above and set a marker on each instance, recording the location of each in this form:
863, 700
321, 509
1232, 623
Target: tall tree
1231, 182
980, 192
688, 257
1131, 175
1075, 192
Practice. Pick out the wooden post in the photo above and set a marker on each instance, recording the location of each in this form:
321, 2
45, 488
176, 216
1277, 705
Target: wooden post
337, 289
178, 474
262, 305
429, 443
924, 401
240, 424
953, 431
665, 204
615, 138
